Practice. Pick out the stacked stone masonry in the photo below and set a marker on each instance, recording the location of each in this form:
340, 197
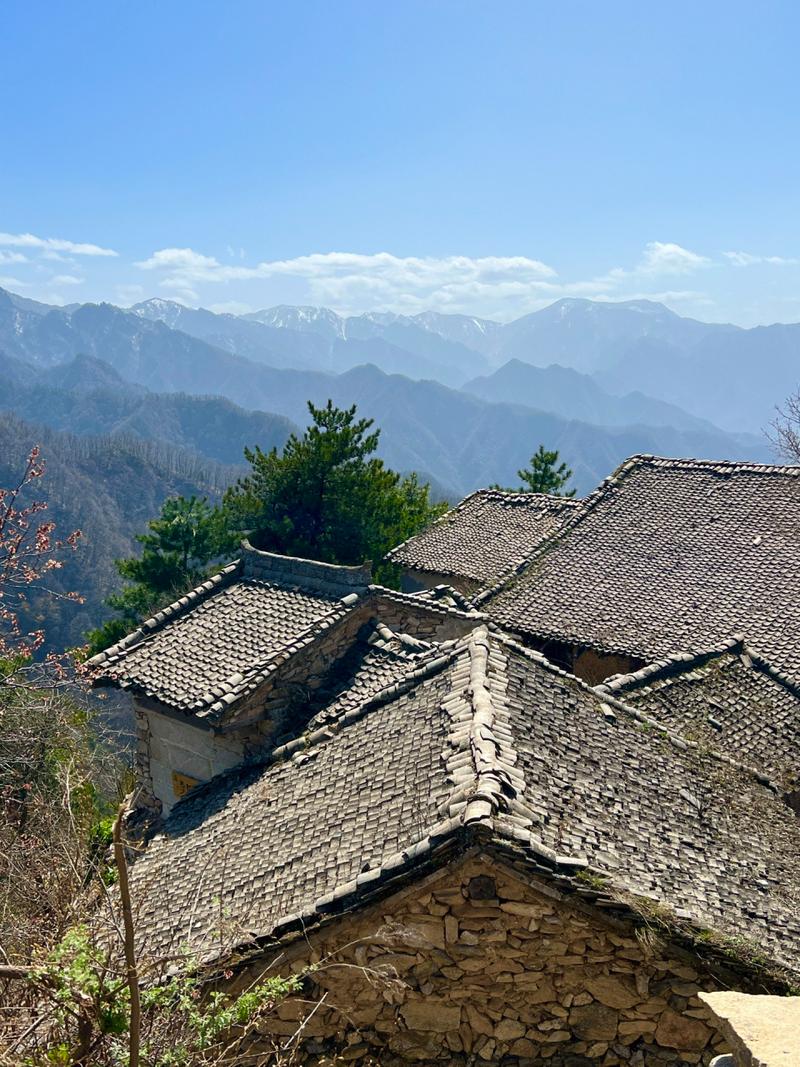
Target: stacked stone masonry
475, 967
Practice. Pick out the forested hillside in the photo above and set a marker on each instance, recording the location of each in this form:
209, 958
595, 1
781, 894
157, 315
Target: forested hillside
107, 487
87, 396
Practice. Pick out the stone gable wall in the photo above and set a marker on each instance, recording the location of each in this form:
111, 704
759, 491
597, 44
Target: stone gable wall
473, 967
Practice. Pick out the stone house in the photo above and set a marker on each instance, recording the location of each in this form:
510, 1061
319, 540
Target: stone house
485, 859
219, 675
666, 557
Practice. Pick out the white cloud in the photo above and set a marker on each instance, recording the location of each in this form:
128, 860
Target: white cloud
13, 257
57, 257
746, 259
12, 283
184, 259
665, 296
659, 258
668, 258
351, 281
129, 294
67, 279
180, 289
53, 244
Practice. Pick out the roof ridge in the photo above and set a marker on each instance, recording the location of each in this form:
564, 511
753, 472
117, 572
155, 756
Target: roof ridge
763, 664
587, 505
583, 507
481, 761
677, 740
426, 602
791, 470
680, 662
382, 636
429, 664
676, 664
521, 497
237, 685
240, 568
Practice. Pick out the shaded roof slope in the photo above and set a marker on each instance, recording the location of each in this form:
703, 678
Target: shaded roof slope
478, 737
669, 556
488, 534
268, 842
222, 639
727, 697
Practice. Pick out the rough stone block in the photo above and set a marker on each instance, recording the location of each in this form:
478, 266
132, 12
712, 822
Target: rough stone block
679, 1032
429, 1014
594, 1022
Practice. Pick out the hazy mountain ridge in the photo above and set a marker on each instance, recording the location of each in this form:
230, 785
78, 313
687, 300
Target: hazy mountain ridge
461, 441
567, 392
86, 396
318, 339
725, 374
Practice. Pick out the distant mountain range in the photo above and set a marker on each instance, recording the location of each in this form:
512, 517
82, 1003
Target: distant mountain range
462, 439
132, 405
722, 374
567, 392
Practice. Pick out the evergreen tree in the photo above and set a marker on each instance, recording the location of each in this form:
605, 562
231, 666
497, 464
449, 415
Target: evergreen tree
327, 496
176, 552
545, 474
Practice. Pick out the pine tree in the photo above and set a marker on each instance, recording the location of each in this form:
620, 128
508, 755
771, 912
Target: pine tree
327, 496
545, 474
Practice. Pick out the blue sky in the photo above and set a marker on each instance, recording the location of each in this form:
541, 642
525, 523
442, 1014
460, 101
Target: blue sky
478, 157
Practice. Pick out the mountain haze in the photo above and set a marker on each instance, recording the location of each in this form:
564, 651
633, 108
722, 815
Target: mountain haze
595, 420
567, 392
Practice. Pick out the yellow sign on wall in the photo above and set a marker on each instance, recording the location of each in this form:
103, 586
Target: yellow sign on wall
183, 784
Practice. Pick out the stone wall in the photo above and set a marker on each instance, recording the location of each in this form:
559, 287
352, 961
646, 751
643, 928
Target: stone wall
268, 712
475, 967
585, 663
173, 754
288, 570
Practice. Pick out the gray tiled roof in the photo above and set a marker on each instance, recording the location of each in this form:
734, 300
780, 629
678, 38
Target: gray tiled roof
268, 842
488, 534
222, 639
729, 698
669, 556
480, 735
